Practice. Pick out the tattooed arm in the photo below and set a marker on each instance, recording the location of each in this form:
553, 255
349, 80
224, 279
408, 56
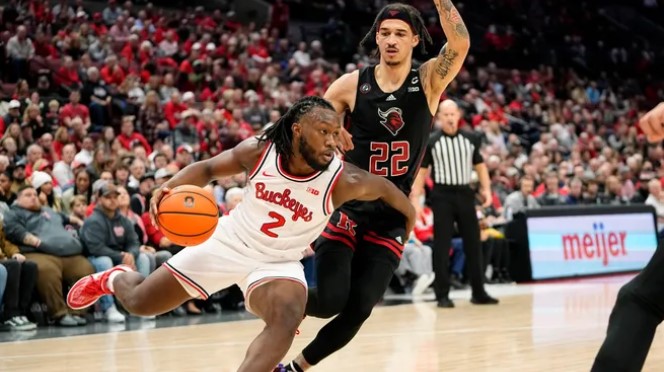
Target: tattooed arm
438, 72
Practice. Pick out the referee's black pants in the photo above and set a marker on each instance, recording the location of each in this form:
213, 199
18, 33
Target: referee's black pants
452, 204
639, 309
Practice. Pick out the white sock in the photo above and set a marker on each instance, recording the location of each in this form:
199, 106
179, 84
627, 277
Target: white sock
109, 282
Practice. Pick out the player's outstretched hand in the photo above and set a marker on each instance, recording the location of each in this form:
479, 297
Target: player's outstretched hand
157, 195
345, 142
652, 124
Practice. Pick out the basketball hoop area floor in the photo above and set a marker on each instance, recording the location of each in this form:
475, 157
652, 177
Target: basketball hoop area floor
542, 327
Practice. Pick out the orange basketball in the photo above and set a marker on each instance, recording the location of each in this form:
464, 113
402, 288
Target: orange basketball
188, 215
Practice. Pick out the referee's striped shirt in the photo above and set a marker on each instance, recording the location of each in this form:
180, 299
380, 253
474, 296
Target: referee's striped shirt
452, 157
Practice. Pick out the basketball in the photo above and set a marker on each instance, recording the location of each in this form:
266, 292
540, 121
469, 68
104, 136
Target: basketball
188, 215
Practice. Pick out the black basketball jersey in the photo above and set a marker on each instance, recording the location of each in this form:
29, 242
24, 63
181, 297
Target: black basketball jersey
390, 132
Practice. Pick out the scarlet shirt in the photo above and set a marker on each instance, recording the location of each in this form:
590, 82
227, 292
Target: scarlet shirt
170, 109
126, 141
71, 111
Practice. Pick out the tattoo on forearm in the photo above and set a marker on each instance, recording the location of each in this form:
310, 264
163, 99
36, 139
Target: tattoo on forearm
445, 61
459, 26
445, 4
450, 13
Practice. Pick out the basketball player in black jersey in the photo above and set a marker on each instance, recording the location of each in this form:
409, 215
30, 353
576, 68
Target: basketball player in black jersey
391, 109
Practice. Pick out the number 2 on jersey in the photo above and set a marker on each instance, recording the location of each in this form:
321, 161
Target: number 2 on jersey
396, 153
267, 227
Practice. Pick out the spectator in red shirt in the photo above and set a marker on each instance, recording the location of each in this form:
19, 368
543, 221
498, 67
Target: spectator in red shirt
43, 46
279, 17
173, 110
98, 25
112, 72
73, 109
128, 136
38, 10
145, 55
67, 75
131, 48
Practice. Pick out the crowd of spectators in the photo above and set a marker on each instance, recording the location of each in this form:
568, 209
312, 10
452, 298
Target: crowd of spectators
102, 106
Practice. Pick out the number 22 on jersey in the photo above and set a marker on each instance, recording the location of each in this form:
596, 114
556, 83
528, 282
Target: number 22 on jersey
389, 158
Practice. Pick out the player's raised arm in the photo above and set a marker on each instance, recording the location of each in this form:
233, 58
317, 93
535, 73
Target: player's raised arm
438, 72
357, 184
341, 94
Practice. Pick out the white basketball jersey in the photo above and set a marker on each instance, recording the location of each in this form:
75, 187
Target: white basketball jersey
280, 214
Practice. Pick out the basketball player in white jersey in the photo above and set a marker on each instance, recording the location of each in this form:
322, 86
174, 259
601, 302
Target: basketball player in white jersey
295, 182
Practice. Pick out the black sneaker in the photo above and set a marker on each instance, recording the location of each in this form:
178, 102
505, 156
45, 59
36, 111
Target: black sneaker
445, 303
483, 299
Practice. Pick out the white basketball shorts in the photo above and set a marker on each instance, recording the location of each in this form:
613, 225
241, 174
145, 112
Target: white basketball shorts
213, 265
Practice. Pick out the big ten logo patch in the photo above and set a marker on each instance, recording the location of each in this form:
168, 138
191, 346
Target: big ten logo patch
313, 191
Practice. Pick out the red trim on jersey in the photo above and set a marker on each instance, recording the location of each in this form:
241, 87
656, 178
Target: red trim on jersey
291, 177
188, 281
341, 231
328, 208
260, 161
387, 241
382, 243
338, 238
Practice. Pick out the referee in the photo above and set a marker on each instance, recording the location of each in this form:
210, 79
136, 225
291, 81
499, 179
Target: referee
451, 155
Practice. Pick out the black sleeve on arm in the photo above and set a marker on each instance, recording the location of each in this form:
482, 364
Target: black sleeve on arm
477, 142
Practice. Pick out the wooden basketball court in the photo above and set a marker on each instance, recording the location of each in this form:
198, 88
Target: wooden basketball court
544, 327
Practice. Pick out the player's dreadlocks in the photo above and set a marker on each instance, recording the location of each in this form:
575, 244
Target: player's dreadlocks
281, 133
405, 13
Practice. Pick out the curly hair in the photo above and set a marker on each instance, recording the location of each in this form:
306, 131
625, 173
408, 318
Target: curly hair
281, 132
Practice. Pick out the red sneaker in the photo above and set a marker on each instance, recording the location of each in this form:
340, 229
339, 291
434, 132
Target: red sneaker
87, 290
